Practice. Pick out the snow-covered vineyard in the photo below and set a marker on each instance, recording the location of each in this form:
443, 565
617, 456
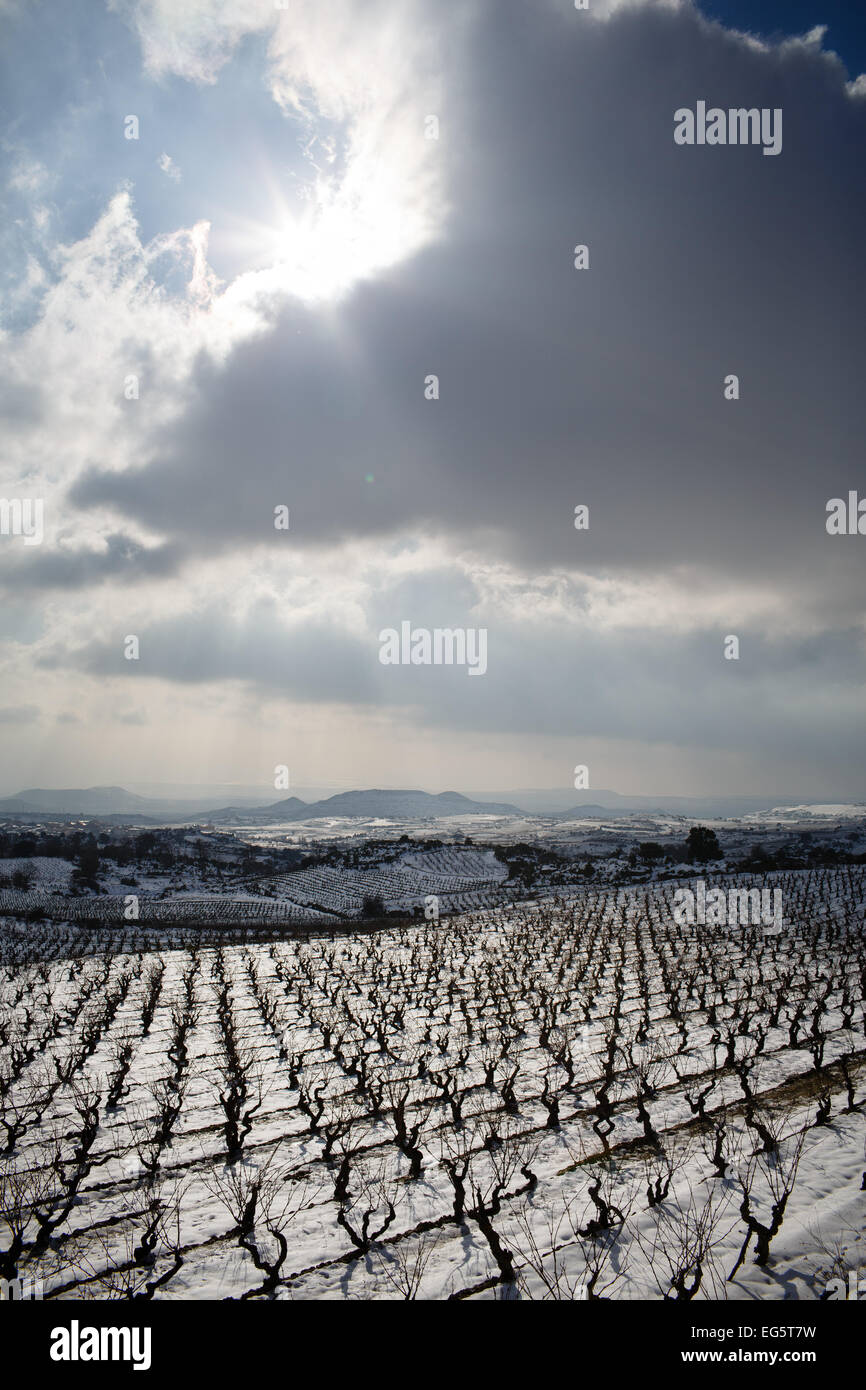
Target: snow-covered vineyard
569, 1100
459, 879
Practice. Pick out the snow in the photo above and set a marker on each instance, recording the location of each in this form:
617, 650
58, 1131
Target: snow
49, 874
481, 994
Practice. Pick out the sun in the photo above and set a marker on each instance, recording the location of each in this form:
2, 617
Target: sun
343, 226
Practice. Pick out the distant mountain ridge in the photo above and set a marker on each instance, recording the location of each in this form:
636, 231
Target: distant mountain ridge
386, 804
569, 804
98, 801
372, 804
92, 800
376, 803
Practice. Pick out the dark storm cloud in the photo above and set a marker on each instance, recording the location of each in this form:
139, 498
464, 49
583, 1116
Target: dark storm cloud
310, 660
19, 714
542, 675
602, 386
120, 560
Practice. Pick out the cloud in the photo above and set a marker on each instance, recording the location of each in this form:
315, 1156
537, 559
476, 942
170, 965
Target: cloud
558, 386
133, 717
303, 660
298, 379
555, 664
168, 167
107, 362
374, 192
30, 177
118, 559
19, 714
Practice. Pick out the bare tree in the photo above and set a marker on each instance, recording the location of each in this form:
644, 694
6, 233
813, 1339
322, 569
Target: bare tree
262, 1201
684, 1236
368, 1210
776, 1172
404, 1263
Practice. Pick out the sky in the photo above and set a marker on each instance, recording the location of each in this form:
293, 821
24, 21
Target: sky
845, 22
237, 240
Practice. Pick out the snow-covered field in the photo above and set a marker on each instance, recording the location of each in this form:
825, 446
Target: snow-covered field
459, 878
559, 1100
829, 811
48, 875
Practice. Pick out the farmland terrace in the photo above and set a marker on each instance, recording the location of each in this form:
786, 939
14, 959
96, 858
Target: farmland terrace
576, 1099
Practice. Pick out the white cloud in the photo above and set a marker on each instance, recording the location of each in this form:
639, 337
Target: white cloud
168, 167
374, 192
30, 177
106, 364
